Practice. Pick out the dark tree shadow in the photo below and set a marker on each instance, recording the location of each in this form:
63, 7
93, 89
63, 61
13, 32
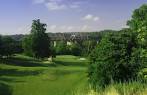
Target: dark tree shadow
5, 89
24, 62
7, 79
71, 63
15, 72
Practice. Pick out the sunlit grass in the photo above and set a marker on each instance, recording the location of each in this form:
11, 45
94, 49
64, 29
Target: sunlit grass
42, 79
131, 88
61, 79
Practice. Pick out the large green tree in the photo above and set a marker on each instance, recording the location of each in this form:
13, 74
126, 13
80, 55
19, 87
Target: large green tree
114, 59
37, 43
138, 24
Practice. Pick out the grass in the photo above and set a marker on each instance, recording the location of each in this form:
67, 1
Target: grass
131, 88
74, 61
23, 75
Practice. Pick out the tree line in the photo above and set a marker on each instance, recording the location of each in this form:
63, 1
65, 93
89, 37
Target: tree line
38, 43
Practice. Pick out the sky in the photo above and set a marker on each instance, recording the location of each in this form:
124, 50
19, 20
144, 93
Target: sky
65, 15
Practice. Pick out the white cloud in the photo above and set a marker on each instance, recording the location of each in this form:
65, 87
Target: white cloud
85, 27
70, 27
52, 27
90, 17
58, 4
63, 27
55, 6
96, 18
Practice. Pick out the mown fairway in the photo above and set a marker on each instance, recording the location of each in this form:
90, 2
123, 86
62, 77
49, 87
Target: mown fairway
22, 75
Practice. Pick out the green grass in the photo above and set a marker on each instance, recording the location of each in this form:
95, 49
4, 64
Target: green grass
131, 88
23, 75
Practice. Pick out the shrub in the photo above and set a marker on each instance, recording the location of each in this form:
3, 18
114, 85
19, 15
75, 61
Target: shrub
61, 48
115, 59
75, 49
9, 46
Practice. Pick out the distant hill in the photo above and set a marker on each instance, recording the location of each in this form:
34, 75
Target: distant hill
69, 36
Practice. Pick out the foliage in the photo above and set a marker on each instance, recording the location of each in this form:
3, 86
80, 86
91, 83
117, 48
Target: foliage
138, 24
53, 51
114, 59
37, 44
26, 44
75, 49
61, 48
9, 46
88, 46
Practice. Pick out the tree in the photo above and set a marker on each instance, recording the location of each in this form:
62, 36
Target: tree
75, 49
88, 46
9, 46
27, 45
138, 24
38, 42
61, 48
114, 59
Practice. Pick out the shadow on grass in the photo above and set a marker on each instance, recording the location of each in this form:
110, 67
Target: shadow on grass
7, 79
5, 89
15, 72
24, 62
71, 63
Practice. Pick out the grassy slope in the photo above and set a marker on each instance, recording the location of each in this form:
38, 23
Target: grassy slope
26, 76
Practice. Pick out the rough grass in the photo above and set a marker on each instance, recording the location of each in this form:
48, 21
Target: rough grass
132, 88
23, 75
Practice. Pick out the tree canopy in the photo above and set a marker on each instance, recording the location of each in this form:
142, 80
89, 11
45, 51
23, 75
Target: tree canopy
9, 46
37, 44
114, 59
138, 24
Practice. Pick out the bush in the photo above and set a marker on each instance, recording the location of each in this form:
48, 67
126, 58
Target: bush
75, 49
61, 48
115, 59
9, 46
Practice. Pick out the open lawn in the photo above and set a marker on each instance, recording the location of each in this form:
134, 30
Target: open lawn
22, 75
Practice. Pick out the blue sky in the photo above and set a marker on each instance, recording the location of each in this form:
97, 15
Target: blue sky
65, 15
